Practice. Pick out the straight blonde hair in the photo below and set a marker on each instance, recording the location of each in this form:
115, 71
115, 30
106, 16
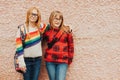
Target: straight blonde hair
53, 15
37, 23
62, 26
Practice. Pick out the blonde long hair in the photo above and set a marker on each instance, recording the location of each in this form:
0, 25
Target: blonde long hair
53, 15
37, 23
62, 26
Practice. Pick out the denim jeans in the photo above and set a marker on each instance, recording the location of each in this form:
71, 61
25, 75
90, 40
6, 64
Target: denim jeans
33, 68
56, 71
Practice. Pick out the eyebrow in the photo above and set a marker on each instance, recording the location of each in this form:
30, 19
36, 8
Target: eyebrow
34, 13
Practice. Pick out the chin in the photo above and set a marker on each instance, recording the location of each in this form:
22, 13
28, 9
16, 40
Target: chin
33, 20
57, 26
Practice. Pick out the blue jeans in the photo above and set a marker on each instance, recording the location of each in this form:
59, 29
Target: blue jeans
56, 71
33, 68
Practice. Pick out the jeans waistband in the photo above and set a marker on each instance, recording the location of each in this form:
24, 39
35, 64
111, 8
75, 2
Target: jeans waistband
31, 58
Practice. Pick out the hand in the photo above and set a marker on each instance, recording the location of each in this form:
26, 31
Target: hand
23, 69
65, 29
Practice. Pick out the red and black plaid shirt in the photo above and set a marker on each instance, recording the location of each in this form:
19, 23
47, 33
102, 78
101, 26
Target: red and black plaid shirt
62, 51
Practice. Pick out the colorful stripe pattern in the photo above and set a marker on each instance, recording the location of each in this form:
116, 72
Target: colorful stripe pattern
34, 39
19, 46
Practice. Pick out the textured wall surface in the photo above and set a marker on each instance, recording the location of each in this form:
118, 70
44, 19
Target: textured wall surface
96, 28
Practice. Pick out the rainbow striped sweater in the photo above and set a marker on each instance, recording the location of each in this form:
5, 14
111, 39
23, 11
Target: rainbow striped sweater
32, 44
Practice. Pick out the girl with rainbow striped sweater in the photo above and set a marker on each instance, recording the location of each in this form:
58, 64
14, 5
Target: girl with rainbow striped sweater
30, 51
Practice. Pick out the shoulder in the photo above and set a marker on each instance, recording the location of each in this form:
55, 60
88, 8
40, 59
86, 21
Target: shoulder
22, 27
48, 31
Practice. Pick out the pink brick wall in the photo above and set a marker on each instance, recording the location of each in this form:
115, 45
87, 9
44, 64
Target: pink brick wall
96, 28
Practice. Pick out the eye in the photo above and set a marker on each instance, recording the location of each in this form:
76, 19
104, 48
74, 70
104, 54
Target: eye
34, 14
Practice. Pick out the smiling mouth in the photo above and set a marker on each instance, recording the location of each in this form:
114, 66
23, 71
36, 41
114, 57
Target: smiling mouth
57, 23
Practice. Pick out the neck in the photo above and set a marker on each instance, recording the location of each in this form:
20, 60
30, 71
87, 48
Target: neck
54, 27
32, 24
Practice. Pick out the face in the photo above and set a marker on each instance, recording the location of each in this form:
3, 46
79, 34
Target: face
57, 21
33, 16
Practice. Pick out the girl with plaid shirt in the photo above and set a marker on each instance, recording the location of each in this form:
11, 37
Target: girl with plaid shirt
60, 47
